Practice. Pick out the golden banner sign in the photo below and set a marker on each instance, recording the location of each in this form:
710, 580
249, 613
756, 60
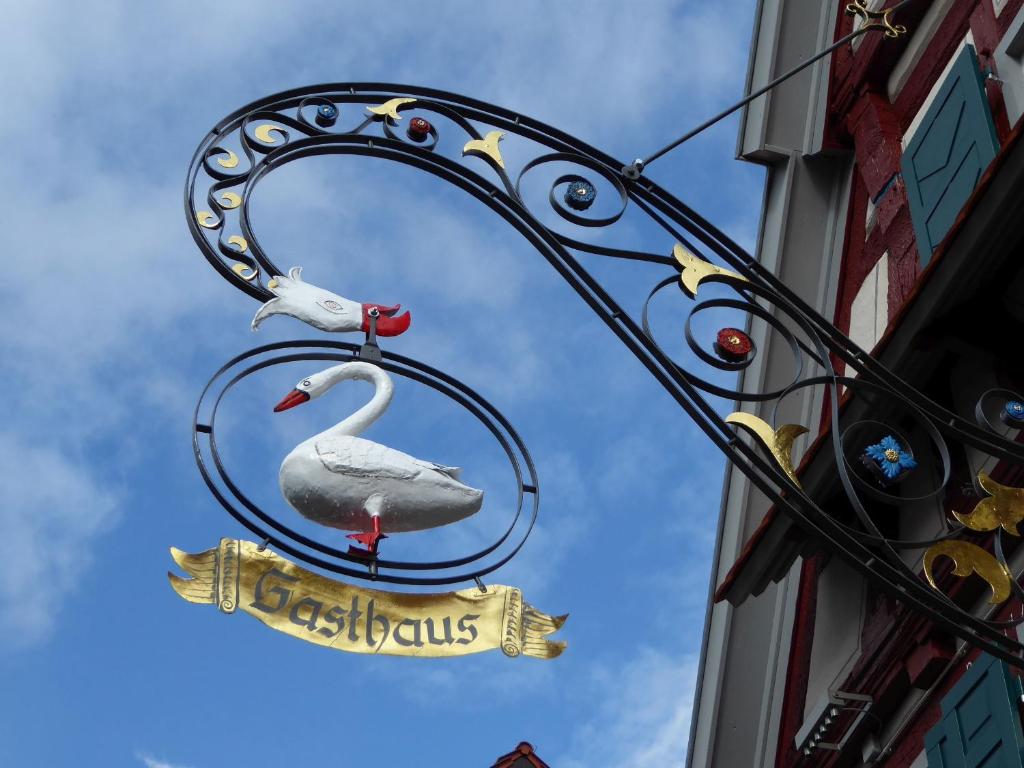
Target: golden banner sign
303, 604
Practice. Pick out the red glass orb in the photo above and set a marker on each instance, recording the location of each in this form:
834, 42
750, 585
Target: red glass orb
419, 129
733, 345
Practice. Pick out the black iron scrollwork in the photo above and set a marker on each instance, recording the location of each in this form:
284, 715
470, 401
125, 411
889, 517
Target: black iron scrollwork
907, 451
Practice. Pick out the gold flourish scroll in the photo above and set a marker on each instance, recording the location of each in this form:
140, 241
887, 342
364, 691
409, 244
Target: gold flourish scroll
1004, 507
245, 271
346, 617
778, 442
265, 133
881, 19
696, 270
207, 220
967, 559
390, 108
230, 160
230, 200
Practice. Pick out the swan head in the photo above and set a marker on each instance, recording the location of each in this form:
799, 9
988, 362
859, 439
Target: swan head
307, 389
315, 385
326, 310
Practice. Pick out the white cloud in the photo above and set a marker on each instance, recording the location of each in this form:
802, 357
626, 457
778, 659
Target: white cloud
52, 512
151, 762
644, 720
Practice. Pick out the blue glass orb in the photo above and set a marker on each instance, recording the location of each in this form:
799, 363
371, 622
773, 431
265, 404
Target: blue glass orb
1013, 412
326, 114
580, 194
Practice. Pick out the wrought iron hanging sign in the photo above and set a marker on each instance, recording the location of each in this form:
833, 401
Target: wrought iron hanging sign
338, 479
905, 444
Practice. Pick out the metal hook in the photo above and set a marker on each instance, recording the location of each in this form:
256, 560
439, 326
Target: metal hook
262, 547
480, 585
370, 350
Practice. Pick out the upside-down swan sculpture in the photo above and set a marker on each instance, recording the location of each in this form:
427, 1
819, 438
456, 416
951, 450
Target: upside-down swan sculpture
343, 481
325, 310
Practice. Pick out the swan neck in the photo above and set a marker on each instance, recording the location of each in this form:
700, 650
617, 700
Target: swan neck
361, 420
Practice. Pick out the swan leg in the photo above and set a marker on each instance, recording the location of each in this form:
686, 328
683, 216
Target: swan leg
373, 506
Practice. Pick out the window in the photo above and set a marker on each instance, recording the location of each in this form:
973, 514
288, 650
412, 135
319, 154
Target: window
948, 153
980, 725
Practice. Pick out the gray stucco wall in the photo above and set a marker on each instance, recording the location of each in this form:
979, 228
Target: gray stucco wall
746, 650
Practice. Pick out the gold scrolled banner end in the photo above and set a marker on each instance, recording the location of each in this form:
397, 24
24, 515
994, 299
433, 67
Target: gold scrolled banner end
967, 559
526, 629
696, 270
229, 571
512, 637
214, 575
202, 568
346, 617
536, 627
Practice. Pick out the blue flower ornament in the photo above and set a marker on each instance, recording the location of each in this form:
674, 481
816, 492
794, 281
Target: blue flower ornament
889, 459
1013, 413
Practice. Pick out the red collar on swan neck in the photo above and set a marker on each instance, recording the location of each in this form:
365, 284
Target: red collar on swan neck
387, 323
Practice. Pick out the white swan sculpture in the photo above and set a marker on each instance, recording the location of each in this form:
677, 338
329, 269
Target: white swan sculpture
327, 311
343, 481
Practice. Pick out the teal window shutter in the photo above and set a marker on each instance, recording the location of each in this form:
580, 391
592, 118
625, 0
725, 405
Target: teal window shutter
980, 725
950, 150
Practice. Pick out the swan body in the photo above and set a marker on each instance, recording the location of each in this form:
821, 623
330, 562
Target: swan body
341, 480
327, 311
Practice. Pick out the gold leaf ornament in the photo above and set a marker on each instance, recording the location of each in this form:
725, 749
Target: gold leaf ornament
487, 147
390, 108
778, 442
228, 160
967, 559
230, 200
1004, 507
245, 271
696, 270
266, 131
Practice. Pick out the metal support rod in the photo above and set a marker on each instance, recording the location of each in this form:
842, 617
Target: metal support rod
636, 169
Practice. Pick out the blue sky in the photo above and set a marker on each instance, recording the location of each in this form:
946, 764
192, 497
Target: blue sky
114, 322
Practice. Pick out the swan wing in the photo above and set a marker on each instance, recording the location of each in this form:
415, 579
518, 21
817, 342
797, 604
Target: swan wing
455, 473
355, 456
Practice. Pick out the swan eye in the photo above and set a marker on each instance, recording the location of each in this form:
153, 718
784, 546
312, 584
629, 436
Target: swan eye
332, 305
305, 382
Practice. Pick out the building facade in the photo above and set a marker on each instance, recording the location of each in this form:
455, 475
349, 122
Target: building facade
891, 205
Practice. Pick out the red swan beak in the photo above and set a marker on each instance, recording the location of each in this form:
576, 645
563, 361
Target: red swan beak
293, 398
387, 323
